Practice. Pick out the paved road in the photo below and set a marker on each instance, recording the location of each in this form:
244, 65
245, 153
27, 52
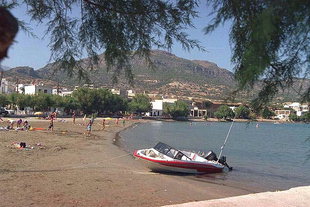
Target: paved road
294, 197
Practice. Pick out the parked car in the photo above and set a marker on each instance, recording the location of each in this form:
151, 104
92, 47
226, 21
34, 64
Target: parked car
3, 111
11, 112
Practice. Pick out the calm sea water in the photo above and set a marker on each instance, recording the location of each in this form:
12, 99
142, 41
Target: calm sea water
270, 157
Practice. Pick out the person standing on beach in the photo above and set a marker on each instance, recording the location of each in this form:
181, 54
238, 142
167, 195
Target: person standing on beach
124, 123
51, 126
103, 124
88, 128
73, 117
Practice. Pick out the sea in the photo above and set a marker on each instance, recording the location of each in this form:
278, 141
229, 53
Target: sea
264, 156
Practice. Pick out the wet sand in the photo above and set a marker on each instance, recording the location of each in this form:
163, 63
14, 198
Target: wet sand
71, 169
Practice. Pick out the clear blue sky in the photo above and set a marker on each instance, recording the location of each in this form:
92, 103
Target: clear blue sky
34, 52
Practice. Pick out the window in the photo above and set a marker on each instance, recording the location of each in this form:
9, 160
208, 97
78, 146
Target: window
45, 90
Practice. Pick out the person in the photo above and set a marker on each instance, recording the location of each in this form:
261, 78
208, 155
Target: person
51, 126
88, 128
124, 122
116, 121
103, 124
26, 125
73, 117
55, 115
11, 124
19, 123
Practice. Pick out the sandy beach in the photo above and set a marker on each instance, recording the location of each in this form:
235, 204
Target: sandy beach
67, 168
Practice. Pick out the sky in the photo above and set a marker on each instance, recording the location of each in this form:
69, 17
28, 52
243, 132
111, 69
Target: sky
35, 52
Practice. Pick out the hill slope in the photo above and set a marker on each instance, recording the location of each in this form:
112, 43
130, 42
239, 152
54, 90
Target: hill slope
172, 76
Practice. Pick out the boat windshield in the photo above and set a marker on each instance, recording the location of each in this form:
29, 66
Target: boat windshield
170, 151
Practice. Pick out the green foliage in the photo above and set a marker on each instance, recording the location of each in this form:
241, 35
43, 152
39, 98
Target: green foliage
306, 117
224, 112
207, 104
206, 117
293, 117
270, 42
98, 101
42, 102
118, 27
70, 103
177, 109
13, 99
242, 112
140, 103
88, 100
266, 113
3, 100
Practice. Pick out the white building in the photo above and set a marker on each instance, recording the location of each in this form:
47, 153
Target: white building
299, 108
61, 92
6, 87
131, 93
157, 108
169, 100
34, 89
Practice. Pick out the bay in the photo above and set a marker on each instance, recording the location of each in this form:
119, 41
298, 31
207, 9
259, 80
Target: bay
265, 156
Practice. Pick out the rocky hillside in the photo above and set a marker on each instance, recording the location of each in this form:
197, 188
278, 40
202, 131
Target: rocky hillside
172, 75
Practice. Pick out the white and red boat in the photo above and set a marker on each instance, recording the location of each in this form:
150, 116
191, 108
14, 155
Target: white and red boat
162, 157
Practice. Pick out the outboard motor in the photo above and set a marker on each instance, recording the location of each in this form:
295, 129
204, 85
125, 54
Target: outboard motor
222, 160
211, 156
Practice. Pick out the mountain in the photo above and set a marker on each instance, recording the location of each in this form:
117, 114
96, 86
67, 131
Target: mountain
172, 76
4, 68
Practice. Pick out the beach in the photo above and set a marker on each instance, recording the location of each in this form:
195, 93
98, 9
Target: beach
64, 167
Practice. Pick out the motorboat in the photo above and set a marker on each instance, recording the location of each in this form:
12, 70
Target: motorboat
165, 158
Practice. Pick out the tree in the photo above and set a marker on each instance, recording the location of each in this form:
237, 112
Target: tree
177, 109
305, 117
266, 113
87, 99
8, 30
42, 101
140, 103
293, 117
119, 27
242, 112
70, 103
271, 42
224, 112
4, 100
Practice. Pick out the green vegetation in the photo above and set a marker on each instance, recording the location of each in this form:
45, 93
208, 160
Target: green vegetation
224, 112
178, 109
4, 100
89, 101
242, 112
270, 39
140, 103
266, 113
304, 118
270, 42
118, 27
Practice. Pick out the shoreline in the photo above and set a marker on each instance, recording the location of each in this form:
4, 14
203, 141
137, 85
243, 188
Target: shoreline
70, 169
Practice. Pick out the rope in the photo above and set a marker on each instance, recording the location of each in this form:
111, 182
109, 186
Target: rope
225, 140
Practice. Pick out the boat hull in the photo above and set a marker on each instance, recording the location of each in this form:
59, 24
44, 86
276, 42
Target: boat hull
179, 166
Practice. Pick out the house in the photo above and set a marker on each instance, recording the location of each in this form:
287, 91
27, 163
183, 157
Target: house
157, 108
34, 89
198, 110
121, 92
282, 114
61, 91
6, 87
300, 109
131, 93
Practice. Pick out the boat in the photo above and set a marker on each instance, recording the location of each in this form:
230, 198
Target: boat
164, 158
